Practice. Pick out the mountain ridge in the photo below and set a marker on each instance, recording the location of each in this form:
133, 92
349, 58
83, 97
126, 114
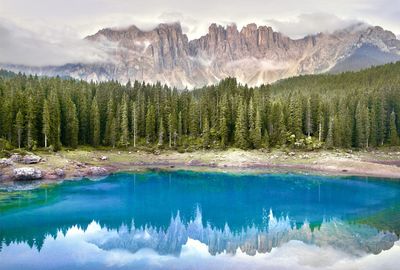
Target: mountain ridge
254, 55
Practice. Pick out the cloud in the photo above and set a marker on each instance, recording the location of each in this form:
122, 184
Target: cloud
79, 248
307, 24
51, 32
51, 47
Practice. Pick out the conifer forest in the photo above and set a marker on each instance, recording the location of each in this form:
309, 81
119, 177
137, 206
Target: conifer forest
348, 110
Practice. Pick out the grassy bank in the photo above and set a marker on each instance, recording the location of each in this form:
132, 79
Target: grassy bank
77, 163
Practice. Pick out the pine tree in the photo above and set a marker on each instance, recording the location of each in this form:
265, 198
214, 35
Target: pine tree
161, 132
393, 135
19, 124
251, 122
362, 126
124, 139
194, 120
180, 126
223, 123
257, 134
170, 129
206, 133
46, 122
241, 131
109, 132
150, 124
95, 123
309, 124
55, 121
31, 125
72, 125
295, 116
329, 136
282, 131
134, 123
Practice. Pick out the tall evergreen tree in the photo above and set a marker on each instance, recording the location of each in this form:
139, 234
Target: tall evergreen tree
241, 131
257, 133
150, 124
46, 122
161, 132
309, 124
109, 132
134, 123
19, 124
95, 123
124, 139
393, 135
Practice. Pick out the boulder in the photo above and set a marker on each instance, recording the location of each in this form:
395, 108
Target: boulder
27, 173
59, 172
6, 162
16, 158
103, 158
31, 159
98, 171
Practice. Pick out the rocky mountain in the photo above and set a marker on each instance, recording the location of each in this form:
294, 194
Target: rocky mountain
254, 54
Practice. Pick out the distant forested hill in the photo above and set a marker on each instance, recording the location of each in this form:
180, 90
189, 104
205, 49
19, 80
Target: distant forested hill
6, 74
353, 109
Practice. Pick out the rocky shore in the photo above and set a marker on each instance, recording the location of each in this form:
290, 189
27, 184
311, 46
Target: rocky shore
79, 163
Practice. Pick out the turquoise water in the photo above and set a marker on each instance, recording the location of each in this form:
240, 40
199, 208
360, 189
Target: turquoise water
154, 220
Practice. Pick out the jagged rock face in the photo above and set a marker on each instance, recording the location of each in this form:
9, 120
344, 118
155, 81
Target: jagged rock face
254, 55
158, 55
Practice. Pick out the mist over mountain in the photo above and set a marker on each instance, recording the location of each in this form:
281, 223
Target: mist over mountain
253, 54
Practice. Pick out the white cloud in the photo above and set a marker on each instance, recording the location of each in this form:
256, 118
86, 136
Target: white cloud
50, 47
54, 27
307, 24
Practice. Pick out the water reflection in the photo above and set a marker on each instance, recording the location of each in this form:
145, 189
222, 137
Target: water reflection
354, 239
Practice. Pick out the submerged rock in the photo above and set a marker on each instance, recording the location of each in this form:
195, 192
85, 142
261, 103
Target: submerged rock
26, 173
31, 159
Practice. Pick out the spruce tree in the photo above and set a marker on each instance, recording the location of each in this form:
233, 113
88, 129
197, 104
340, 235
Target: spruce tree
134, 123
161, 132
110, 123
95, 123
46, 123
309, 124
393, 135
329, 136
241, 131
257, 134
55, 121
31, 125
124, 139
19, 124
150, 124
206, 133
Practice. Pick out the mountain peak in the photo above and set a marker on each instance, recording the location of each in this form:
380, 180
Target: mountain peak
255, 54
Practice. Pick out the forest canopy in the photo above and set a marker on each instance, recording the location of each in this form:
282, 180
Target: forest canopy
348, 110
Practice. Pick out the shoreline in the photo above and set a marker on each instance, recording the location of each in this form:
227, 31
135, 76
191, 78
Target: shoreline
79, 164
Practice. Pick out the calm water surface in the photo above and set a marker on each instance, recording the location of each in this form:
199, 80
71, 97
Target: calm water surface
188, 220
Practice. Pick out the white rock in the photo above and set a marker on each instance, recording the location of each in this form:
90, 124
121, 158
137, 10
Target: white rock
27, 173
97, 171
5, 162
31, 159
59, 172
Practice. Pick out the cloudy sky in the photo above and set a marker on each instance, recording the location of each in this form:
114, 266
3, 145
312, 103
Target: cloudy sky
50, 31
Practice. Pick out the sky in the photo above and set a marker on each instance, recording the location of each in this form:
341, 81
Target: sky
46, 32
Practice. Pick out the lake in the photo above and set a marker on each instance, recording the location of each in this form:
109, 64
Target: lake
197, 220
